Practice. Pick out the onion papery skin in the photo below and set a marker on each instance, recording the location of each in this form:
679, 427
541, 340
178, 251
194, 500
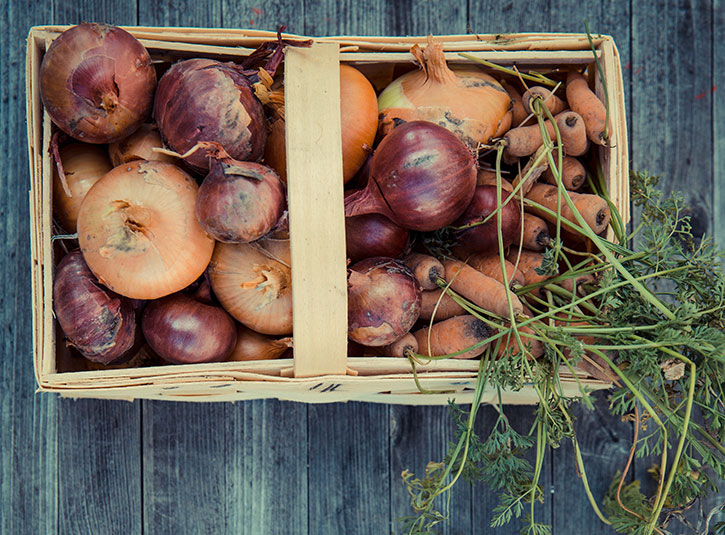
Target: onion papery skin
421, 176
139, 146
359, 124
239, 202
83, 165
252, 345
182, 330
253, 282
372, 235
138, 232
96, 321
463, 99
483, 238
206, 100
383, 301
97, 83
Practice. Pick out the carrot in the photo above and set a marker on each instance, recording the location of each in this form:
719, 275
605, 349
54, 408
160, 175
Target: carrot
536, 233
426, 269
487, 177
574, 140
583, 101
526, 264
483, 291
401, 347
525, 140
490, 265
593, 208
519, 113
509, 344
533, 169
586, 278
573, 174
554, 103
453, 335
447, 307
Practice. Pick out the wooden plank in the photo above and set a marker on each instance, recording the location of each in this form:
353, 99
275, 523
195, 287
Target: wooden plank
718, 123
348, 469
419, 435
172, 13
485, 500
604, 441
249, 14
28, 422
316, 214
99, 466
108, 11
225, 468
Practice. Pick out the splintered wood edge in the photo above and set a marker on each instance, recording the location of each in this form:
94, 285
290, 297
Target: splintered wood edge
315, 197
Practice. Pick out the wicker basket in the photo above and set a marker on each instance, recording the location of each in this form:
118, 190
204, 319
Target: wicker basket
320, 370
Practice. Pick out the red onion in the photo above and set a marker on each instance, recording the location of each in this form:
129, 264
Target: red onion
371, 235
239, 202
482, 238
383, 301
185, 331
97, 83
98, 322
205, 100
421, 176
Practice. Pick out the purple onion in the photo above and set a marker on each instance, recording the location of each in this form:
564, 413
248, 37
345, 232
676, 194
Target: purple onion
98, 322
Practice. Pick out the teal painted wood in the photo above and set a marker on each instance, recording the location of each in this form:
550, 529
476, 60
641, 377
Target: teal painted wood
28, 422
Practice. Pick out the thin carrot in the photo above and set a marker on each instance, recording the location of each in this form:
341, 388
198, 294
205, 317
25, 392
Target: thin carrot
402, 346
527, 262
525, 140
486, 292
447, 307
583, 101
426, 269
573, 132
573, 174
536, 233
453, 335
490, 265
593, 208
519, 113
488, 178
553, 102
509, 345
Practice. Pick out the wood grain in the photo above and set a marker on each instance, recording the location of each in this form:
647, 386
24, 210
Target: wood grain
420, 435
264, 15
349, 487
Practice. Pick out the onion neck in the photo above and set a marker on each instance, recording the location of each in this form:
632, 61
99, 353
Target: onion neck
366, 201
435, 66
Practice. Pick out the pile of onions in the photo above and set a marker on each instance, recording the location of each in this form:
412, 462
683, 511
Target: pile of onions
483, 238
373, 235
422, 177
383, 301
239, 202
97, 83
253, 283
465, 100
254, 346
96, 321
83, 166
206, 100
137, 230
183, 330
359, 122
139, 146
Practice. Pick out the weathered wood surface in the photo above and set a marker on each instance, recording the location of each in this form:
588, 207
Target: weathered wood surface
275, 467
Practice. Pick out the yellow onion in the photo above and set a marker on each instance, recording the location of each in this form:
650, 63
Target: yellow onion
465, 100
83, 166
139, 146
253, 283
359, 120
138, 233
252, 345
